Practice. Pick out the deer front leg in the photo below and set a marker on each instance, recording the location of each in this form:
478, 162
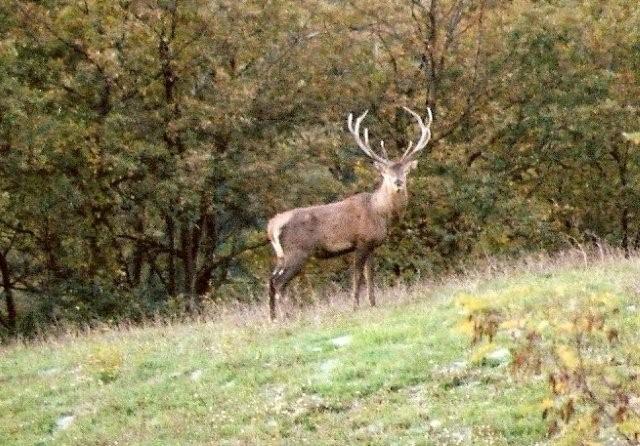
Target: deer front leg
368, 277
359, 260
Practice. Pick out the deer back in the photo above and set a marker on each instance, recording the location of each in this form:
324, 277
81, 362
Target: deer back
333, 228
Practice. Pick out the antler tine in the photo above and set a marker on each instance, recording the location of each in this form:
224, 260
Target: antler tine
383, 150
425, 134
354, 129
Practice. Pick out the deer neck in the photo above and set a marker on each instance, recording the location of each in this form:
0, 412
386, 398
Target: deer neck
388, 203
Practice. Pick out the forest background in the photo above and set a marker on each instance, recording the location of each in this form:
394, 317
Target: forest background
144, 144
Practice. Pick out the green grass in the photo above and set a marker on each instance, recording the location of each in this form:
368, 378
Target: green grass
403, 374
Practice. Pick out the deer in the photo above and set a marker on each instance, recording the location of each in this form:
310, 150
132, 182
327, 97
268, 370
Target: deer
358, 224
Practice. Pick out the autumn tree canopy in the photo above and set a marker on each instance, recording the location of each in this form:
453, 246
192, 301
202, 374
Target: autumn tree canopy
144, 144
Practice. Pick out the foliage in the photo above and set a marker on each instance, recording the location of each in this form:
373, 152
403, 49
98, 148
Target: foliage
105, 362
144, 144
592, 374
482, 319
584, 339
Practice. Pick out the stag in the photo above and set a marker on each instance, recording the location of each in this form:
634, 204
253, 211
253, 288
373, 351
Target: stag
356, 224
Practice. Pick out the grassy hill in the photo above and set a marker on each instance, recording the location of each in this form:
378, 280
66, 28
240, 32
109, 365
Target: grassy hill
402, 373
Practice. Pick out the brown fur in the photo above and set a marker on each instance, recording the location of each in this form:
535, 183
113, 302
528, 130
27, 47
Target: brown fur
356, 224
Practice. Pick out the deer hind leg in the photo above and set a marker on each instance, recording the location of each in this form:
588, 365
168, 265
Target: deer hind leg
359, 260
287, 268
368, 277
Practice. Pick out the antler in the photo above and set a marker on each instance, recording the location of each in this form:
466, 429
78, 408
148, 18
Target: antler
425, 135
364, 145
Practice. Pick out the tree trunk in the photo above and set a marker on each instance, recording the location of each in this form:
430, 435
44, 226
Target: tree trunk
208, 240
624, 226
138, 256
171, 264
10, 321
186, 239
431, 47
187, 258
621, 161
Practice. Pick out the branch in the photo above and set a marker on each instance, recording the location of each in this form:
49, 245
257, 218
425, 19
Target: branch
28, 289
72, 45
242, 250
147, 242
207, 268
196, 36
20, 230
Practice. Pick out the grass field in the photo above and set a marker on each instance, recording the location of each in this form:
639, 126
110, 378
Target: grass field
402, 373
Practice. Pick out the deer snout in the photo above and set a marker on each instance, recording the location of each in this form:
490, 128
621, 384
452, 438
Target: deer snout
399, 184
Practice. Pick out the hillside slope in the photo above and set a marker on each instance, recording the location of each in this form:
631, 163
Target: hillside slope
403, 373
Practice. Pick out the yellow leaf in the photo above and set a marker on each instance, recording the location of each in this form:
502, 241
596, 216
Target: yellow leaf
567, 356
481, 353
547, 403
465, 327
630, 426
471, 303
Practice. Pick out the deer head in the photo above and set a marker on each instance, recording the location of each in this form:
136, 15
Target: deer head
393, 172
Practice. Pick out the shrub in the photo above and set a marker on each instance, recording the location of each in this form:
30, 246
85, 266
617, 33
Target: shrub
105, 363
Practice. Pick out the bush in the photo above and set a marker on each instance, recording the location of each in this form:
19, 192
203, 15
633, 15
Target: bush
105, 363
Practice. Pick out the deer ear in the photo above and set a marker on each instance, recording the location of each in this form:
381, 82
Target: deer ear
412, 165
